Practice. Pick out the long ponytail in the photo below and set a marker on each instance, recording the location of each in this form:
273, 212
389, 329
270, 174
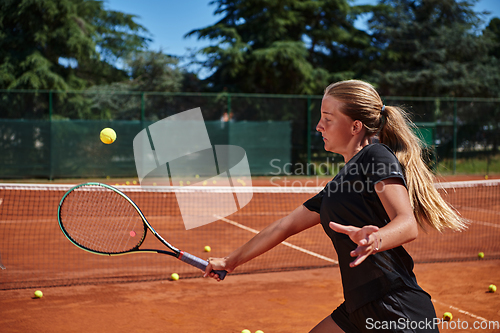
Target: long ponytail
428, 205
394, 129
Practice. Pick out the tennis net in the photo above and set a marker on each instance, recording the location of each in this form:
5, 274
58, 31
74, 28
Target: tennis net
35, 253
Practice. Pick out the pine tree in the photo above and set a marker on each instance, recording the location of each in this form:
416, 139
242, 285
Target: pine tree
493, 29
64, 44
286, 46
432, 48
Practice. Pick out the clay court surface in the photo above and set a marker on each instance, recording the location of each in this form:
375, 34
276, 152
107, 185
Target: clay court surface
272, 302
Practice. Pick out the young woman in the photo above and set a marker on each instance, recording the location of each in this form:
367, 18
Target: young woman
371, 207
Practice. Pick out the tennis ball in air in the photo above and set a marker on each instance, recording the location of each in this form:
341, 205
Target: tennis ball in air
174, 276
492, 288
447, 316
208, 248
480, 255
108, 135
38, 294
246, 331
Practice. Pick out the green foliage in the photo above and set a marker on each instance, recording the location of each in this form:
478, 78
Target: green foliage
433, 48
494, 29
289, 46
154, 71
36, 35
486, 165
149, 72
412, 47
416, 48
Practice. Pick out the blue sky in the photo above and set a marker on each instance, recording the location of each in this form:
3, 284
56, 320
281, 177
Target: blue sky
169, 20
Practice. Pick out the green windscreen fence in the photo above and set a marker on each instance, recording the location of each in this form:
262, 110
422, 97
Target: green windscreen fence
426, 134
72, 148
51, 133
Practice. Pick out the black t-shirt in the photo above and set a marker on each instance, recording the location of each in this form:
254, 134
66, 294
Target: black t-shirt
350, 199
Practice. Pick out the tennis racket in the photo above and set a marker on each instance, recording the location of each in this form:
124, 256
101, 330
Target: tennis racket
101, 219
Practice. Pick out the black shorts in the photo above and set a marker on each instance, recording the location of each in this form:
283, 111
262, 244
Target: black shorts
402, 310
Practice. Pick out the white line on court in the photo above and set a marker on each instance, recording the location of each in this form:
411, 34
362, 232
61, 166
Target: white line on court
460, 310
314, 254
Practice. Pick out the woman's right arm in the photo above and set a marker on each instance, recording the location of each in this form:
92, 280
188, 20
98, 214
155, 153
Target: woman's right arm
275, 233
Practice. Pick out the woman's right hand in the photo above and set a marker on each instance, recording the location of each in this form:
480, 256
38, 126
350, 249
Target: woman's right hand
216, 264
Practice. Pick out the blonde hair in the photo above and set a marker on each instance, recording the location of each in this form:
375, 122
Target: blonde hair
394, 129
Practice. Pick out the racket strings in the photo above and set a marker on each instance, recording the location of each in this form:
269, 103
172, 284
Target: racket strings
102, 220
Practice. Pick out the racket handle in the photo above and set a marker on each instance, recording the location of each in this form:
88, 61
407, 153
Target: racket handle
199, 263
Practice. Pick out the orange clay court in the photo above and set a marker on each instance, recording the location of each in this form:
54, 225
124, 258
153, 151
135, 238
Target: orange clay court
287, 301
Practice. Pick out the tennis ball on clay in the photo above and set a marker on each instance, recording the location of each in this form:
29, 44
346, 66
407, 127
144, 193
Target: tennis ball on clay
492, 288
246, 331
480, 255
259, 331
207, 248
174, 276
108, 135
447, 316
38, 294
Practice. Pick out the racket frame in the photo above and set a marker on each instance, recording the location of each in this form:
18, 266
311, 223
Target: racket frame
181, 255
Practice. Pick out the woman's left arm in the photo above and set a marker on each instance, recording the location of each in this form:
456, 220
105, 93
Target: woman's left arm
401, 229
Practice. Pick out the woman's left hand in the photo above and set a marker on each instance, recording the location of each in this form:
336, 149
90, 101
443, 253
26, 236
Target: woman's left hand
365, 238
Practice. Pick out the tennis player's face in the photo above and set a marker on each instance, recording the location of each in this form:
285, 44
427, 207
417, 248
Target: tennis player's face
334, 126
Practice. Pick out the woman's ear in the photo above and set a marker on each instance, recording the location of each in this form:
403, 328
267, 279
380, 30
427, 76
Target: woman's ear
357, 127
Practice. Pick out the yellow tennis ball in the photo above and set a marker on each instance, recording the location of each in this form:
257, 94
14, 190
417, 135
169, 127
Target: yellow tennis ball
246, 331
480, 255
492, 288
447, 316
38, 294
108, 135
174, 276
208, 248
259, 331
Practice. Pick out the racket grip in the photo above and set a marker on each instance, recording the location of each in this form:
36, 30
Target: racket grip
199, 263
